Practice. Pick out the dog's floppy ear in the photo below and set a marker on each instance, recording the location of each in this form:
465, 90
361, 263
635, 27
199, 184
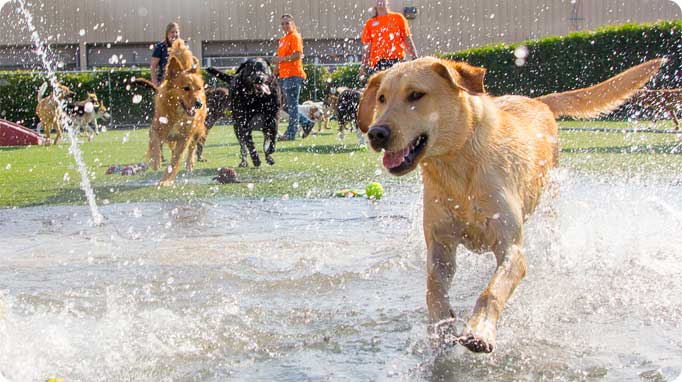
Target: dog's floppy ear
368, 101
173, 68
462, 75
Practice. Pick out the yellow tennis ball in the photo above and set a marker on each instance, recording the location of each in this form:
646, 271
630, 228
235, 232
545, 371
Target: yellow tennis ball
374, 190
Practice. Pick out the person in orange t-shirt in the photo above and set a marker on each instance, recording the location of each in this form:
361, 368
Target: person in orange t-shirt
386, 37
289, 68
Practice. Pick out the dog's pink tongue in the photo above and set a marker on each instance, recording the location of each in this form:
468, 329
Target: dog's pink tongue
395, 159
264, 88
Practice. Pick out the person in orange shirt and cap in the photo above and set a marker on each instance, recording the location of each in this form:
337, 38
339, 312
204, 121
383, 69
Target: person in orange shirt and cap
289, 68
386, 37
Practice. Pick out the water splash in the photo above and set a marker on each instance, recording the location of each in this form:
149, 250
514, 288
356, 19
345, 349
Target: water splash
43, 52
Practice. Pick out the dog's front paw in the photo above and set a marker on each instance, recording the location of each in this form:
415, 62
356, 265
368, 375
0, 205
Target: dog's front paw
479, 338
244, 164
202, 159
270, 160
256, 163
476, 344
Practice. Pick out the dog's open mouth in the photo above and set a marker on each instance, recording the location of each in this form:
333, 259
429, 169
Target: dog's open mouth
263, 88
402, 161
191, 111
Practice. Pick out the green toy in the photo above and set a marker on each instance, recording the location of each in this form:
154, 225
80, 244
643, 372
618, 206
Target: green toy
374, 190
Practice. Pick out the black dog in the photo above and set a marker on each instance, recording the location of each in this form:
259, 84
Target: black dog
347, 111
217, 102
255, 103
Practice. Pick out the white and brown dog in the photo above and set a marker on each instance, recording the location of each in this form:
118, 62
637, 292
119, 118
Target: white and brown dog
87, 112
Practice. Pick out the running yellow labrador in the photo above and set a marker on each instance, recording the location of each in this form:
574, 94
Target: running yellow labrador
484, 161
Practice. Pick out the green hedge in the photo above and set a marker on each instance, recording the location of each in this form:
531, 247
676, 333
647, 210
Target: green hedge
552, 64
18, 94
579, 59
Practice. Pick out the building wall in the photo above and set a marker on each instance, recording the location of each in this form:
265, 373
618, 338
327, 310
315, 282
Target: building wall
215, 28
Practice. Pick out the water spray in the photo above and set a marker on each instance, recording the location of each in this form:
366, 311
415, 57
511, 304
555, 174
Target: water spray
64, 119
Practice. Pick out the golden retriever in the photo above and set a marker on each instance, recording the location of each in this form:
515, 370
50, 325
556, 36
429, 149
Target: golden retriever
179, 112
484, 161
47, 110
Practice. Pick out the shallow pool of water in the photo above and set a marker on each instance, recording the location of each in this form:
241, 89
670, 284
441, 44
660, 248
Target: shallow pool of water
333, 289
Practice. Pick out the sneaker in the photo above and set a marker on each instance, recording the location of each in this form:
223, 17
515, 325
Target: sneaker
307, 130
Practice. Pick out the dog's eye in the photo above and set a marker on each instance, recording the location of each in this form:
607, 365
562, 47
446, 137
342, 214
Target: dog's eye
382, 99
415, 96
187, 88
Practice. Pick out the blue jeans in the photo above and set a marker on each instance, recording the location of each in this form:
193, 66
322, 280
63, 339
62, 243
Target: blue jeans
291, 86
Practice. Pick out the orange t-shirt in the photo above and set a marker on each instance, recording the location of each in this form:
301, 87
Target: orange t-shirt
287, 46
385, 36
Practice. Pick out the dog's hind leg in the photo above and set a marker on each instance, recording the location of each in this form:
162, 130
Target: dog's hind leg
269, 139
481, 331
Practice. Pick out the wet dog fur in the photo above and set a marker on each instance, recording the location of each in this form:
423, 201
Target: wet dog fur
256, 100
484, 161
47, 110
179, 112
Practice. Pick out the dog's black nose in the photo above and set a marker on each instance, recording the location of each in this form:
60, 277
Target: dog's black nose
198, 104
379, 136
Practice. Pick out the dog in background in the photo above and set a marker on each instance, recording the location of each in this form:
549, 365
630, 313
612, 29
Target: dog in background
87, 112
47, 109
665, 101
314, 112
484, 161
217, 103
323, 113
179, 112
255, 101
347, 111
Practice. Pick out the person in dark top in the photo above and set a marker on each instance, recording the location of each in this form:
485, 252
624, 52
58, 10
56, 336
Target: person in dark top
160, 54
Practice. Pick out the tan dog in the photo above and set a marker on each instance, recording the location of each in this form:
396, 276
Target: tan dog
484, 161
666, 101
48, 110
179, 112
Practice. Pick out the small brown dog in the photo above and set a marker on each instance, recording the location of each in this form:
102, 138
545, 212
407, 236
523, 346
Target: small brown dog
48, 110
666, 101
484, 161
179, 112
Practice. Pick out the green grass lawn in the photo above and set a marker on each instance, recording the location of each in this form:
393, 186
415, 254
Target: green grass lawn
313, 168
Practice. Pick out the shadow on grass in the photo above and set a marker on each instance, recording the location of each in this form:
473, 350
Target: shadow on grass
668, 148
13, 148
76, 195
323, 149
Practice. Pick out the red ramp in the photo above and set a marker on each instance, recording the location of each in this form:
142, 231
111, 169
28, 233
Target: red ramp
13, 134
